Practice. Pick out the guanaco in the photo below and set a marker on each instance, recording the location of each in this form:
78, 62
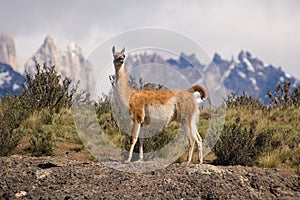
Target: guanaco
145, 104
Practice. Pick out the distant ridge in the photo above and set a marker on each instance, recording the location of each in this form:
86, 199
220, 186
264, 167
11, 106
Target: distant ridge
10, 80
243, 74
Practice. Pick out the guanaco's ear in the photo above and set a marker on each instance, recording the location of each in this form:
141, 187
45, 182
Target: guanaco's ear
123, 50
114, 50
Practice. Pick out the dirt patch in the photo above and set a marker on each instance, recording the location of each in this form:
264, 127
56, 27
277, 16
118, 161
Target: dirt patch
61, 178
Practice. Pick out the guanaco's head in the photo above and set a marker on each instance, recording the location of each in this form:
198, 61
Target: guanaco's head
119, 58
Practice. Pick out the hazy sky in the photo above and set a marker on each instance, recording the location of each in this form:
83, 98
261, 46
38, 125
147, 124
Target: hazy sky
269, 29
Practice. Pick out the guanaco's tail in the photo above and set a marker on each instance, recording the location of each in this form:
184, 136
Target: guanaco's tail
200, 89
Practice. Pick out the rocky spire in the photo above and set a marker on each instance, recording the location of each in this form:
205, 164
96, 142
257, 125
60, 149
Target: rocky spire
47, 54
67, 63
8, 52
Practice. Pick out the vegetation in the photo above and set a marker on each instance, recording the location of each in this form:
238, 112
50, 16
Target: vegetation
33, 116
39, 122
267, 136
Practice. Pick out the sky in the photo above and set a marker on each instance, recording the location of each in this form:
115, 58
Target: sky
268, 29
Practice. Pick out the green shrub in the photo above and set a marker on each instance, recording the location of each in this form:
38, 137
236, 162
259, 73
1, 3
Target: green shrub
236, 145
45, 90
244, 101
43, 129
40, 138
12, 112
284, 97
41, 143
273, 137
279, 144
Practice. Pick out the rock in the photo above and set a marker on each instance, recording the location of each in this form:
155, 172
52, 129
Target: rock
43, 173
8, 52
66, 179
67, 63
46, 54
20, 194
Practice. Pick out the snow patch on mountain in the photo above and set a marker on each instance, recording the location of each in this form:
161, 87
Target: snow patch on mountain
287, 75
228, 72
4, 77
249, 65
243, 75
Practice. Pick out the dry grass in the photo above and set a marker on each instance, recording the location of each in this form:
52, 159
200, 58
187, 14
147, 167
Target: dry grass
270, 160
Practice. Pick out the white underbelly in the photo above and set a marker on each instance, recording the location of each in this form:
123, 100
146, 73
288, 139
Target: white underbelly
160, 115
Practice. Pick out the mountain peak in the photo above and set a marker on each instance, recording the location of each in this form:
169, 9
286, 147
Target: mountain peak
49, 40
46, 54
251, 75
247, 74
217, 58
244, 55
67, 62
74, 49
49, 45
7, 51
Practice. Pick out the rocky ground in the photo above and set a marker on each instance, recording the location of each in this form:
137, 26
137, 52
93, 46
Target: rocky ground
60, 178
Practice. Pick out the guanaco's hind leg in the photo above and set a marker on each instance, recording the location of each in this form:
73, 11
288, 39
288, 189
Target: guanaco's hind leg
191, 149
198, 140
134, 137
193, 136
191, 139
141, 141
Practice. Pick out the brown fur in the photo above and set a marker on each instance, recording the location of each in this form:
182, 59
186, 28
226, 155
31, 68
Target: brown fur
200, 89
141, 98
149, 105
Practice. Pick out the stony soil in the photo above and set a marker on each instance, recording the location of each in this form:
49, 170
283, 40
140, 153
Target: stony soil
60, 178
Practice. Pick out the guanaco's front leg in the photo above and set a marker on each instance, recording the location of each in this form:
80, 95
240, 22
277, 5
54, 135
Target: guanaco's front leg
134, 137
141, 155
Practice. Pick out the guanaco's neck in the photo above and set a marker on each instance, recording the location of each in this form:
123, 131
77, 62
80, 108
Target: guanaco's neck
123, 87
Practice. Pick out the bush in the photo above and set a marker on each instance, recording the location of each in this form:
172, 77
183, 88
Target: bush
244, 101
284, 97
279, 145
46, 89
273, 137
12, 113
236, 145
41, 143
43, 91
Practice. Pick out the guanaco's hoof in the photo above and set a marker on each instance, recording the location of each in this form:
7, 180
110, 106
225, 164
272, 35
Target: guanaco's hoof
127, 161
